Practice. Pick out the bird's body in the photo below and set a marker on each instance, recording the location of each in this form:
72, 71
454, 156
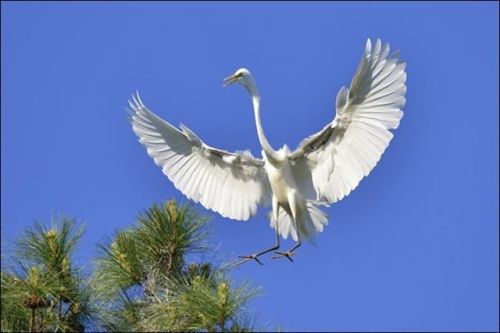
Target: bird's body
280, 177
324, 168
285, 192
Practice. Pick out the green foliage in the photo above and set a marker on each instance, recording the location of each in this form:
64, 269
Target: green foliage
153, 250
212, 303
147, 277
50, 247
41, 290
144, 283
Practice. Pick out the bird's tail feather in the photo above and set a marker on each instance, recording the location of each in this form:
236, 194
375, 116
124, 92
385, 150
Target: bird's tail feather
309, 222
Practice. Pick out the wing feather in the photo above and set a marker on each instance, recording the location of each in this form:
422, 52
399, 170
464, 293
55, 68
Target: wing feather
346, 150
232, 184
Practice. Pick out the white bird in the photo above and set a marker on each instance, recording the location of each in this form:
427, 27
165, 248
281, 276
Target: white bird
324, 168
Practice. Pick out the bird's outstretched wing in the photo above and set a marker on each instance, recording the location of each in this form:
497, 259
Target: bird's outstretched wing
232, 184
331, 162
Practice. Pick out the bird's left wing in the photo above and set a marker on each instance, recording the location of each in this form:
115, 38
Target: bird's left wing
231, 184
330, 163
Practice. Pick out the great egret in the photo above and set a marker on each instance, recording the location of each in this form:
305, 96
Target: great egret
324, 168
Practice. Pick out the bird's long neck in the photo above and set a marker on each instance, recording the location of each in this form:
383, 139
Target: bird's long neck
260, 130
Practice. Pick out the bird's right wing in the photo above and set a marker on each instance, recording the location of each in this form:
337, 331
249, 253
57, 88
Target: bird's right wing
231, 184
331, 162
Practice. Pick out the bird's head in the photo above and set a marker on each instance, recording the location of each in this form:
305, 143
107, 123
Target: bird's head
243, 77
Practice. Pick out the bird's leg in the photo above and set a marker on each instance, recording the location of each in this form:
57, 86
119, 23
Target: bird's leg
256, 256
288, 254
293, 202
276, 246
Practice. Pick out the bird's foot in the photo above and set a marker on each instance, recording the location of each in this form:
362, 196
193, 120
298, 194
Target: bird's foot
286, 254
251, 257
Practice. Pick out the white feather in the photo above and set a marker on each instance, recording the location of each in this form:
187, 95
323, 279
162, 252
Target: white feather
359, 134
204, 174
325, 167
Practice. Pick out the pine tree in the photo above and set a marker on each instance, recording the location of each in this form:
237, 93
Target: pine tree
152, 276
145, 282
41, 288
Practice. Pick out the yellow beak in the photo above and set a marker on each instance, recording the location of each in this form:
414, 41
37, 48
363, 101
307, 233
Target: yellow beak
230, 80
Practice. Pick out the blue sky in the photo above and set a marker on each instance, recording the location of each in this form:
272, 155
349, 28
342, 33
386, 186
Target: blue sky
414, 247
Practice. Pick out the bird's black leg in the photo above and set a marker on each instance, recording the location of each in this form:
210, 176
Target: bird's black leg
288, 254
276, 246
293, 202
256, 256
